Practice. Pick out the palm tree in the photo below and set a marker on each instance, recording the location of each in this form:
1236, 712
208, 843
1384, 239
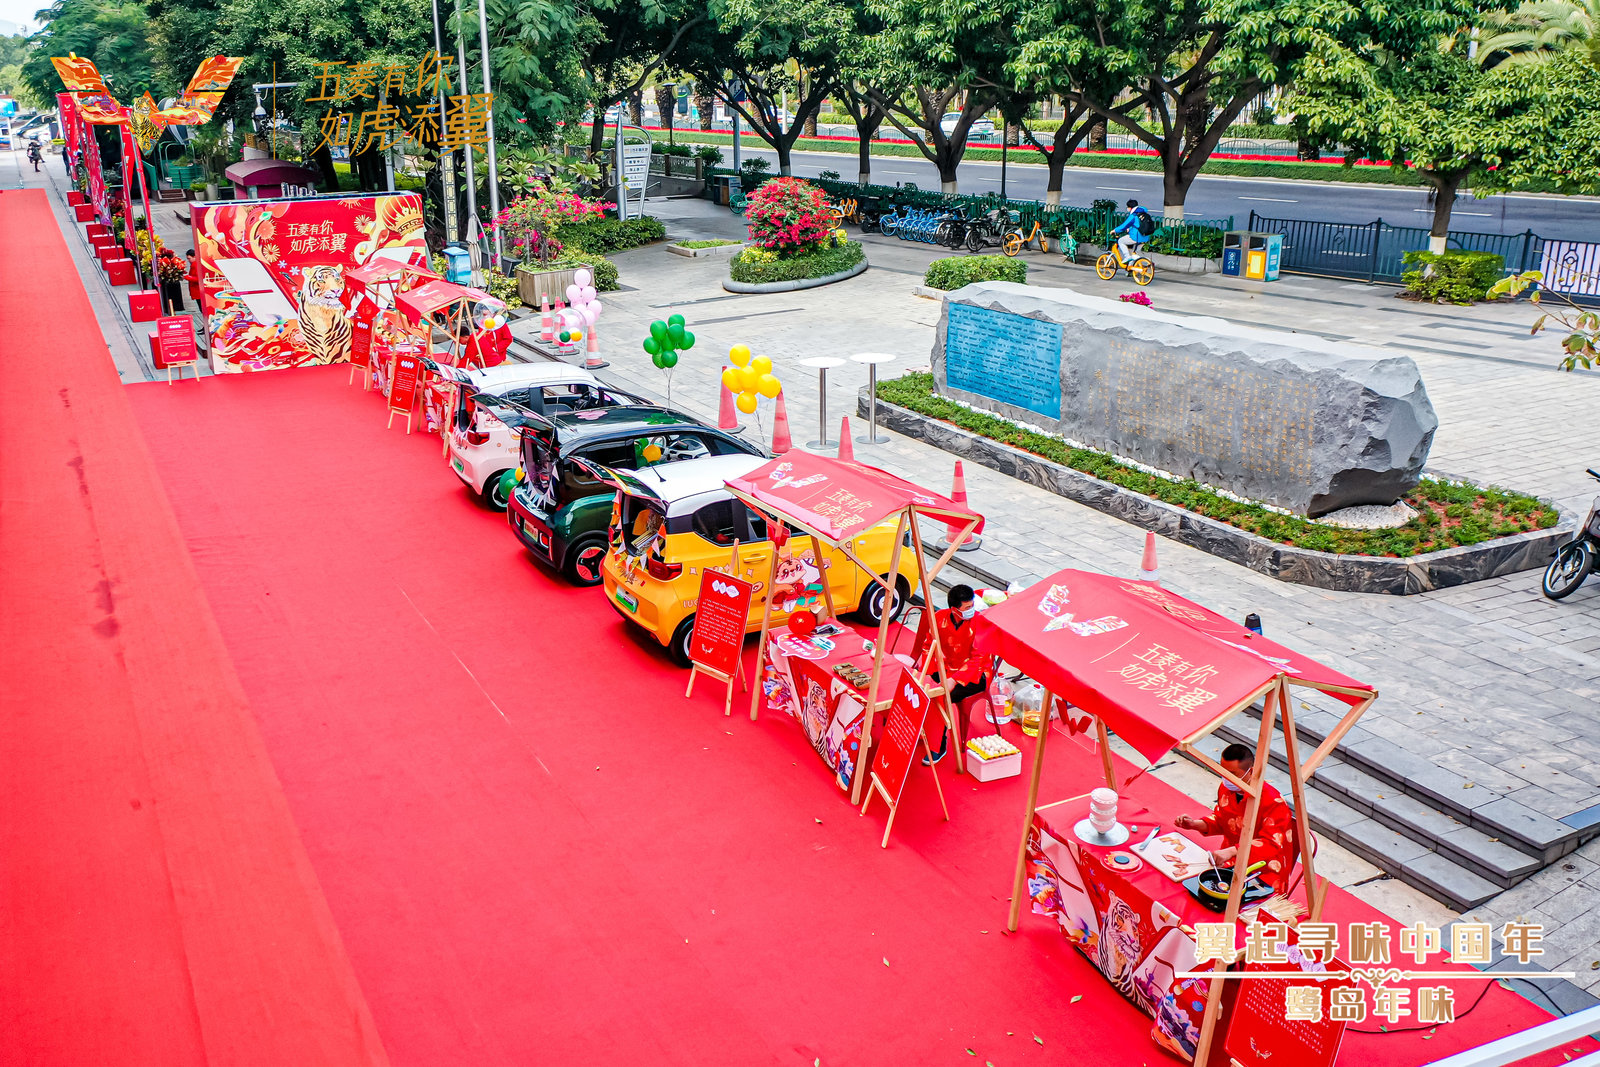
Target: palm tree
1539, 30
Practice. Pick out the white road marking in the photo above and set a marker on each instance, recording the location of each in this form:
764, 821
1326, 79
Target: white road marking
1117, 188
1481, 214
1270, 199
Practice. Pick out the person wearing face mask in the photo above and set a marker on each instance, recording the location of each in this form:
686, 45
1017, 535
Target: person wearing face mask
1274, 842
968, 676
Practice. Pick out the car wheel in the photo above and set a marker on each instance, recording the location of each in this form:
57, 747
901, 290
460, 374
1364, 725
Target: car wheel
492, 494
678, 649
870, 610
582, 565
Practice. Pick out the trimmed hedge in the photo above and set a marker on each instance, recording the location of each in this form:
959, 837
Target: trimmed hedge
1448, 513
605, 271
956, 271
612, 235
756, 266
1452, 277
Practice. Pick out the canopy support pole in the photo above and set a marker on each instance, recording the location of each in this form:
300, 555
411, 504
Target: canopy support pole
953, 718
1302, 818
822, 572
871, 710
1105, 745
1019, 876
1241, 864
766, 625
1337, 735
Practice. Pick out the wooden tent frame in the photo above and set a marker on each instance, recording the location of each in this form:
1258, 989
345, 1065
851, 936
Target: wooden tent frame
1276, 704
906, 520
396, 277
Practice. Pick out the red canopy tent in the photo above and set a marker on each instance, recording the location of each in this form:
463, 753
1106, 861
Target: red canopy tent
371, 289
1162, 672
835, 500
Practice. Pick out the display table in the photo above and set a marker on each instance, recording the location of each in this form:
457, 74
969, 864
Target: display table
1135, 926
798, 678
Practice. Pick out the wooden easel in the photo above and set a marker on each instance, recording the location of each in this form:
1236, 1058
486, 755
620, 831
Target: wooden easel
409, 411
878, 787
696, 668
192, 364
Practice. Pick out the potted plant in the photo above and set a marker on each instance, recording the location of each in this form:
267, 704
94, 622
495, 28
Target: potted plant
170, 274
528, 229
197, 187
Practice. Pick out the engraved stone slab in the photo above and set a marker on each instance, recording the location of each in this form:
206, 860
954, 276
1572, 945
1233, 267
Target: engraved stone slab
1286, 419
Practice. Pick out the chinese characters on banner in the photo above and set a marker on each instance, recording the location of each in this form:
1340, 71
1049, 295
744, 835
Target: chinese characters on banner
372, 106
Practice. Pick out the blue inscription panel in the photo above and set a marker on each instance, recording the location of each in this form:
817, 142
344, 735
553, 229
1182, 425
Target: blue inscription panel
1006, 357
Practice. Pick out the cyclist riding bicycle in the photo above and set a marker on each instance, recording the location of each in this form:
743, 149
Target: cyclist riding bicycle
1135, 230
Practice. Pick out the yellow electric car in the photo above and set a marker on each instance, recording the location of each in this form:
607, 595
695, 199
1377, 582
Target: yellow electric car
672, 521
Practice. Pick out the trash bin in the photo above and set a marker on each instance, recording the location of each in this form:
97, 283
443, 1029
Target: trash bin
1252, 254
458, 264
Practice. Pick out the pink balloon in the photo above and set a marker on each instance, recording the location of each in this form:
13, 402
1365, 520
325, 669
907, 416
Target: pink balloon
574, 294
595, 309
582, 276
587, 311
587, 295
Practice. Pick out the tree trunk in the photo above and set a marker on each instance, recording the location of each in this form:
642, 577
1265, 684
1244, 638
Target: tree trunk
705, 106
1013, 135
1097, 137
666, 101
947, 163
1174, 184
597, 133
810, 127
322, 159
866, 129
636, 108
1444, 188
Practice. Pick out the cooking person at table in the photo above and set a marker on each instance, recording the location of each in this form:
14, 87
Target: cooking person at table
1274, 842
968, 676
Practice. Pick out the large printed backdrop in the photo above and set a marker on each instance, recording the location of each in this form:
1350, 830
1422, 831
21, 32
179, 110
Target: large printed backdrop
272, 273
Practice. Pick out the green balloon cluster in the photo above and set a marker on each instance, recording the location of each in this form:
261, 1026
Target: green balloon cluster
666, 340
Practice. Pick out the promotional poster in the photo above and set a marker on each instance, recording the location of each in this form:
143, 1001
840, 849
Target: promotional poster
272, 273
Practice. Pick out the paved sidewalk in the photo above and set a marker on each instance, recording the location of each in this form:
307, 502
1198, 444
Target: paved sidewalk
1490, 682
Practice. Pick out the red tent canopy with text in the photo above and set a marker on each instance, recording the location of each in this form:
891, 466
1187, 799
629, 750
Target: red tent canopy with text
379, 270
1156, 668
837, 497
420, 303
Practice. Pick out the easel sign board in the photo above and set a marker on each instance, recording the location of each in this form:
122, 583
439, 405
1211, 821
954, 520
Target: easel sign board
1258, 1032
908, 718
719, 622
175, 338
403, 372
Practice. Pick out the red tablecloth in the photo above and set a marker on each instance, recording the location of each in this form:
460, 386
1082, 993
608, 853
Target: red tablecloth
798, 678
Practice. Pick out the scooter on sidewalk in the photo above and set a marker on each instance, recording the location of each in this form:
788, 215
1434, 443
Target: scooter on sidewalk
1575, 559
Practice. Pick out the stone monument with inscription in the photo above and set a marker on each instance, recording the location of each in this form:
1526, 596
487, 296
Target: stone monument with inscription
1286, 419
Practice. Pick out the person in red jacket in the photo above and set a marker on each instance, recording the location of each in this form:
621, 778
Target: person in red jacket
968, 674
1274, 841
194, 277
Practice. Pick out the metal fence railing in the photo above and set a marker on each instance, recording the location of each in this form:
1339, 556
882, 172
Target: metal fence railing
1375, 252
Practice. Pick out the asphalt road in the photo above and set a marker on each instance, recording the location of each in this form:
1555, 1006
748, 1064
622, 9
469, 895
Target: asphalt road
1569, 218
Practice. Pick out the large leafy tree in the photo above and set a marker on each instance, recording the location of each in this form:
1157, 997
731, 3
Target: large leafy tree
114, 35
1176, 75
1539, 30
1445, 117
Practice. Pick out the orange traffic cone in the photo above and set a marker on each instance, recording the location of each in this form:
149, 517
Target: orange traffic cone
547, 332
847, 447
958, 496
593, 362
1148, 570
727, 414
780, 428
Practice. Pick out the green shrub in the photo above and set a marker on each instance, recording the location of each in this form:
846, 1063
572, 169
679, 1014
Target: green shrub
605, 271
686, 151
1041, 126
757, 265
835, 118
611, 235
1198, 242
710, 154
718, 243
956, 271
1452, 277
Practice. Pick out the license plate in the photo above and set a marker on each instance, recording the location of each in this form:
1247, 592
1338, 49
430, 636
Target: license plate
461, 468
627, 600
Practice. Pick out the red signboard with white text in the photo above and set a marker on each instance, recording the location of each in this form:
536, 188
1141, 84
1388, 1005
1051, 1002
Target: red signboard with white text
719, 621
174, 341
403, 383
908, 716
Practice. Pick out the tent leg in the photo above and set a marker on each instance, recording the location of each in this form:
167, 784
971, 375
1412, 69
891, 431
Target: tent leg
1019, 876
870, 712
1105, 747
1241, 863
766, 625
1302, 819
952, 715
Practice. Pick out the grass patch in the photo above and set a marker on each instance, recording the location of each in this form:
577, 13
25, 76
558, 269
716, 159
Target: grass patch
705, 244
756, 266
1448, 514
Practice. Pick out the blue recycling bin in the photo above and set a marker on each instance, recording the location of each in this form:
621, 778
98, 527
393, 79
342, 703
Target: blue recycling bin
458, 264
1233, 252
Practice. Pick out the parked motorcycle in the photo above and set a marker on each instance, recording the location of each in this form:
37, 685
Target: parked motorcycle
991, 228
1575, 559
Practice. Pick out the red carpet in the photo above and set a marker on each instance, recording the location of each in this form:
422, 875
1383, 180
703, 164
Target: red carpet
156, 904
536, 850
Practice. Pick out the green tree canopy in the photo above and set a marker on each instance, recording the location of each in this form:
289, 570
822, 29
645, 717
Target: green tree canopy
114, 35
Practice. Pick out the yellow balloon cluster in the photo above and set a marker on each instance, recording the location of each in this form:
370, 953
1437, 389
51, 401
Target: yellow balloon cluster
749, 378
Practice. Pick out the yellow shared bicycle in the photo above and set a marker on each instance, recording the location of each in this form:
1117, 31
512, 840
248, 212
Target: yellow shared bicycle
1139, 268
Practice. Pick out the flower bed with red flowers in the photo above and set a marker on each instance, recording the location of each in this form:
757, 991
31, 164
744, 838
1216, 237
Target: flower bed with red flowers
789, 216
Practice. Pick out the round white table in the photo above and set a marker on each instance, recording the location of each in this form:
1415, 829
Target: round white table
872, 359
823, 365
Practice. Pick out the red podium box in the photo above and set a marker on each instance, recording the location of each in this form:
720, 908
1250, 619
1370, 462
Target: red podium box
145, 305
96, 229
83, 212
74, 198
120, 271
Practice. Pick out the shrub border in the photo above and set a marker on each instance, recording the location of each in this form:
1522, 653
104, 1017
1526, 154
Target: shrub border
1286, 563
794, 284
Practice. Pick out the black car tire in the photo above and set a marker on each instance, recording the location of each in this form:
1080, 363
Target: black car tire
870, 609
493, 498
582, 565
678, 649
